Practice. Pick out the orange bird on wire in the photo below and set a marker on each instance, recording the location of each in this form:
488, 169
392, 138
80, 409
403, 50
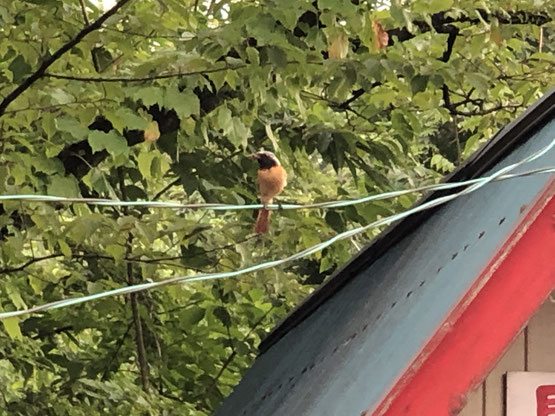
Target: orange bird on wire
272, 178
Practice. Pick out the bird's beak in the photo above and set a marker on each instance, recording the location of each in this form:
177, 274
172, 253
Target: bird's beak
253, 156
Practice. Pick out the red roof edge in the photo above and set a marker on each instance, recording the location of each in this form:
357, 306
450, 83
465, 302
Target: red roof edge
484, 323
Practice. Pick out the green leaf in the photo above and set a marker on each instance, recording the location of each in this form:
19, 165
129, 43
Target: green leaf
374, 69
20, 69
401, 125
224, 118
72, 126
184, 103
11, 325
256, 294
150, 95
111, 141
418, 83
543, 56
334, 220
401, 15
335, 5
432, 6
65, 186
84, 227
479, 81
59, 96
117, 251
223, 315
192, 316
253, 56
15, 296
144, 161
125, 118
441, 163
238, 133
152, 132
470, 144
277, 56
64, 248
405, 201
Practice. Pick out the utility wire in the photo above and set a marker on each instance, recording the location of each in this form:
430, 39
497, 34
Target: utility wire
237, 207
477, 184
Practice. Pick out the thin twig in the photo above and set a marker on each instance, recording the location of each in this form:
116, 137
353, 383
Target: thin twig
226, 247
88, 22
161, 76
91, 256
28, 263
56, 106
486, 111
139, 339
84, 12
165, 189
142, 79
42, 335
144, 35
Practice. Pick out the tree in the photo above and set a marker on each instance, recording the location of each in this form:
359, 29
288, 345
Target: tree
163, 101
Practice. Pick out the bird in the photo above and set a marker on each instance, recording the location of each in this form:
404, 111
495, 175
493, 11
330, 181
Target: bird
272, 178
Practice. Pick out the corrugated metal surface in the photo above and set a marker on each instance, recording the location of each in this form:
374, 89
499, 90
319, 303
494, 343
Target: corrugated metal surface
343, 358
533, 350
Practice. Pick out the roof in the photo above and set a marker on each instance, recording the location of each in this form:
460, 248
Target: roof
342, 351
494, 150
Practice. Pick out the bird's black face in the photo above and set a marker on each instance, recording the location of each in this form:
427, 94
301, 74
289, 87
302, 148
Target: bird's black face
266, 160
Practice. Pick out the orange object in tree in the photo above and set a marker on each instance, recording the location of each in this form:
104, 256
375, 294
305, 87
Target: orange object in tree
272, 178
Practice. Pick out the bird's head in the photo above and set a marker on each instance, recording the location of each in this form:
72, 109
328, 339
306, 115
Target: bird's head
266, 160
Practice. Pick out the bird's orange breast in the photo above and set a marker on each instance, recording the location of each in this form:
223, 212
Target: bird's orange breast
271, 182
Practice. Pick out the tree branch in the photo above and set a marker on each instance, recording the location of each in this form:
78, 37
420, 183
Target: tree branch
28, 263
486, 111
87, 23
76, 256
142, 79
226, 247
128, 259
452, 108
139, 339
160, 76
452, 31
165, 189
57, 55
42, 335
56, 106
356, 94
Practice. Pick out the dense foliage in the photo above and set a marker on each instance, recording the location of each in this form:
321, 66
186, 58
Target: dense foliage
163, 100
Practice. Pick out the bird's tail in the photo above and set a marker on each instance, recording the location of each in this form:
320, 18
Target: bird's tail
262, 225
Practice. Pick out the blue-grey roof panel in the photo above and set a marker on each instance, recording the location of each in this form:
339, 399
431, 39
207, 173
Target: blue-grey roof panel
344, 357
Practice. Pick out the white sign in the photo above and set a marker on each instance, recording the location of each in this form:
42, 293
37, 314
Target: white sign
530, 394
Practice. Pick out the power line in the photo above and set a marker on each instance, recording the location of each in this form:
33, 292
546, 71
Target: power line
237, 207
477, 184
